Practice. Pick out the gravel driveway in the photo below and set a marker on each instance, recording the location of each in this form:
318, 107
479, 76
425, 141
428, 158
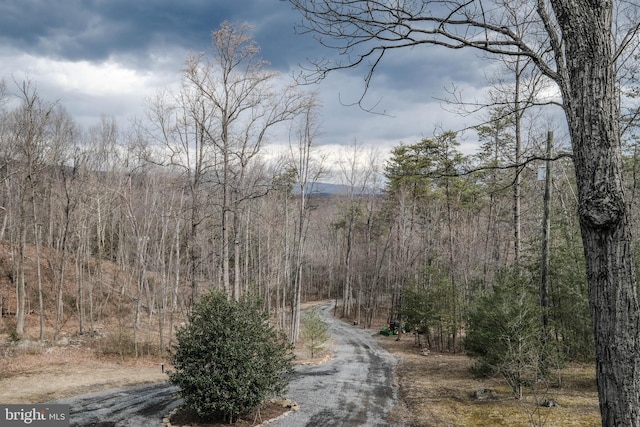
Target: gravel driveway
138, 406
355, 388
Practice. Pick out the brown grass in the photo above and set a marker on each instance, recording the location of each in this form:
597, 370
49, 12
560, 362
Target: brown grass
59, 372
436, 390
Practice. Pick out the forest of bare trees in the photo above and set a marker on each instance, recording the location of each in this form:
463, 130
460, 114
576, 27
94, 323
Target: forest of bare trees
140, 220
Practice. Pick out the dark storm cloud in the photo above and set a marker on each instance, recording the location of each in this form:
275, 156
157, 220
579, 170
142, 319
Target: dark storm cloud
105, 56
134, 32
100, 29
35, 26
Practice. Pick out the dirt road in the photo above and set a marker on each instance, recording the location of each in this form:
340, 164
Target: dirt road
355, 388
138, 406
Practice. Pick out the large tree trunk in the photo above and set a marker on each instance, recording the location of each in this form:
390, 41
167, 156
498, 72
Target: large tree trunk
592, 110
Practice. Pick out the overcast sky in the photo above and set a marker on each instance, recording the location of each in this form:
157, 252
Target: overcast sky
103, 57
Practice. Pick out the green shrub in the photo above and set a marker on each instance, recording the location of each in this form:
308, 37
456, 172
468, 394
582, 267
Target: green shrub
314, 332
505, 335
228, 359
14, 337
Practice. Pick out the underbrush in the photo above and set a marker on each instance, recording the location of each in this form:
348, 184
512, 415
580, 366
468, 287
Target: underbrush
125, 345
437, 389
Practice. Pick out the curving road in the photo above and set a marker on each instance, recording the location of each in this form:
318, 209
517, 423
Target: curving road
355, 388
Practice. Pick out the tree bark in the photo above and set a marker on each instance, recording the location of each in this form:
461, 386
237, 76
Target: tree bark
589, 92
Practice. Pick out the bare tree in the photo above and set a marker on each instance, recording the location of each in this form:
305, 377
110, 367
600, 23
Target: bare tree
99, 183
244, 103
5, 149
63, 136
178, 123
573, 44
306, 171
358, 174
28, 135
357, 178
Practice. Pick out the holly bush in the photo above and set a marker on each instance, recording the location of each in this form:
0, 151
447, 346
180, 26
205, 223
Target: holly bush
228, 359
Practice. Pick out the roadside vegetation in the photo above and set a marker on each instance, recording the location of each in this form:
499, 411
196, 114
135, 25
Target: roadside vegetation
228, 360
439, 389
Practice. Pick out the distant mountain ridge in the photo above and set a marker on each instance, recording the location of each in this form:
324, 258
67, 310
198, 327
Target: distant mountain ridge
329, 189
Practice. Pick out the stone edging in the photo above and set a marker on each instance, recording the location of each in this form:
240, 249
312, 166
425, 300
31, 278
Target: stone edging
286, 403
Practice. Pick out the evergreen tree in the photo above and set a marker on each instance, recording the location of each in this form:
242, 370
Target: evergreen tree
228, 359
504, 334
314, 332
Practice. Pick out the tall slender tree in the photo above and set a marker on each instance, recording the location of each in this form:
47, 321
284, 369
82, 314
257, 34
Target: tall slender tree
28, 134
307, 169
177, 121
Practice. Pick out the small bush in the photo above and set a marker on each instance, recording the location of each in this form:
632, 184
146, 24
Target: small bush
314, 332
14, 337
228, 359
119, 343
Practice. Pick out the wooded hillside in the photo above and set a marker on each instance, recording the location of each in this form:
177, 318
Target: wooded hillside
91, 226
137, 222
